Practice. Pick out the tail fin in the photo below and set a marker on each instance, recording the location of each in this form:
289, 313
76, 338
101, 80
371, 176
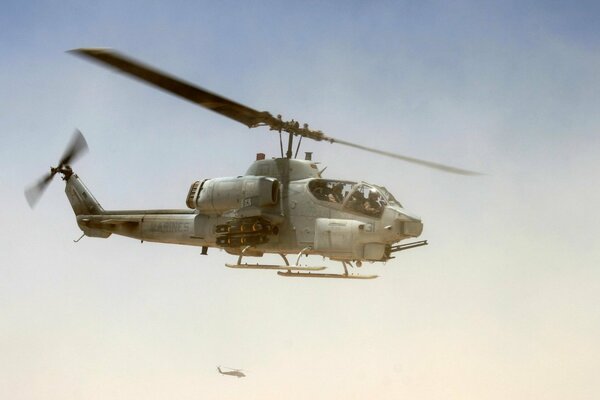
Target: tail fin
84, 204
82, 200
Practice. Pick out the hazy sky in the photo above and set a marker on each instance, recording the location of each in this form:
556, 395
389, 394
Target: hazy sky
504, 303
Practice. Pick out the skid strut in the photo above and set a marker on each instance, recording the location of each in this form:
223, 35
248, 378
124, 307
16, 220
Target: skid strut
286, 267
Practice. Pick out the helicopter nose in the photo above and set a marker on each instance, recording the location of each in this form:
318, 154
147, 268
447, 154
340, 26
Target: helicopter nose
409, 225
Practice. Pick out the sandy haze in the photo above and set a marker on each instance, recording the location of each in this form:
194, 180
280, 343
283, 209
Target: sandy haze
502, 304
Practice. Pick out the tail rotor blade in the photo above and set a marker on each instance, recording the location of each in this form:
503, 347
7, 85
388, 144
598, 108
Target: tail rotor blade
76, 148
35, 192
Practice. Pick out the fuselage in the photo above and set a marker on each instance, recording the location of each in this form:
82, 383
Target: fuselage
334, 218
236, 373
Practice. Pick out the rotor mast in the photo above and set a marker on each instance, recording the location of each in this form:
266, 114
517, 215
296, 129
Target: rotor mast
294, 125
288, 153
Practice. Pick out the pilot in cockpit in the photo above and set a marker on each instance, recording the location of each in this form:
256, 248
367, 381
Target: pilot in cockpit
336, 195
356, 200
372, 204
320, 190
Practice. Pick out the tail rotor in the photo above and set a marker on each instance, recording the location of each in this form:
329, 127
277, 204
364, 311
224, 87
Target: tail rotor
76, 148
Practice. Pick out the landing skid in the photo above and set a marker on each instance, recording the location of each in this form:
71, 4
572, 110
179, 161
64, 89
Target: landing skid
345, 275
302, 271
321, 275
276, 267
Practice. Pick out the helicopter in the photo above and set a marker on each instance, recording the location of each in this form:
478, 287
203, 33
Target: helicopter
234, 372
280, 206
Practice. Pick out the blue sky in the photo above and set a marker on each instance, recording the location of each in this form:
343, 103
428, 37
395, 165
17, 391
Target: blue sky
502, 304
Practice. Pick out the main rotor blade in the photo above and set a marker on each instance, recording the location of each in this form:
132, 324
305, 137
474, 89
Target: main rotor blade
176, 86
425, 163
229, 108
76, 148
35, 192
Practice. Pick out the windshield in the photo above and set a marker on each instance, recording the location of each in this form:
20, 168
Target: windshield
361, 198
388, 196
366, 199
330, 190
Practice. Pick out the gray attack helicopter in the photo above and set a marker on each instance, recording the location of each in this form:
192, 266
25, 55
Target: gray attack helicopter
279, 206
233, 372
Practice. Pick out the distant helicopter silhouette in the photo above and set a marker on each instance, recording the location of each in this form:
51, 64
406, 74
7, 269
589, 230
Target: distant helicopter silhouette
234, 372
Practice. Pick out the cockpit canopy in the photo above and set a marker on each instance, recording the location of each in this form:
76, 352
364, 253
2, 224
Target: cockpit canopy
362, 198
